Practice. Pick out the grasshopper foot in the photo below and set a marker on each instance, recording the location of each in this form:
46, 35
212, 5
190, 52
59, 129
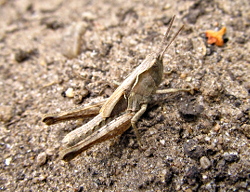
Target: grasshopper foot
138, 137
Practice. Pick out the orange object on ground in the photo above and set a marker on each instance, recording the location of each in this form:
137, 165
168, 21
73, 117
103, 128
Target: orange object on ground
216, 37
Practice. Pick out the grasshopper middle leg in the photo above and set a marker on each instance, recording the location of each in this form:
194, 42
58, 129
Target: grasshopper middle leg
172, 90
143, 108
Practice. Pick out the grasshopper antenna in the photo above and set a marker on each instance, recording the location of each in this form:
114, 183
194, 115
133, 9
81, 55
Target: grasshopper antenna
164, 47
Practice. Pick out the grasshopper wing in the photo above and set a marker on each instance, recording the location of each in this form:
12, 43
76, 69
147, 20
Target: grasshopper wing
126, 86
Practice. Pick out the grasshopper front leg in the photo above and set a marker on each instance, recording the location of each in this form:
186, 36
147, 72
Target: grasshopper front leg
172, 90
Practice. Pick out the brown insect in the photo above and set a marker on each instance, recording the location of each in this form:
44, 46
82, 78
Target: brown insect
121, 110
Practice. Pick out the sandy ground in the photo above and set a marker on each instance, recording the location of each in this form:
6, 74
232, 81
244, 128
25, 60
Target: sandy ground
196, 142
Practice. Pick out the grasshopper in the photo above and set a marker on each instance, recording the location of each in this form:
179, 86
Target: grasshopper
121, 110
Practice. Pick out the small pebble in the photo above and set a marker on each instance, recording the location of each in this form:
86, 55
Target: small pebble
246, 129
189, 109
193, 150
8, 160
88, 16
193, 175
50, 151
70, 92
189, 79
72, 40
166, 6
217, 128
205, 162
41, 159
39, 179
231, 157
149, 152
168, 176
21, 55
78, 99
183, 75
6, 113
162, 141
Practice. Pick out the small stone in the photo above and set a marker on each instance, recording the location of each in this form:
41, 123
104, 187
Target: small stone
193, 149
72, 40
217, 127
231, 157
189, 79
193, 176
39, 179
166, 6
8, 161
23, 55
48, 7
78, 99
51, 23
79, 95
41, 159
168, 176
70, 92
246, 129
149, 152
88, 16
50, 151
162, 141
193, 15
183, 75
205, 162
6, 113
189, 109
